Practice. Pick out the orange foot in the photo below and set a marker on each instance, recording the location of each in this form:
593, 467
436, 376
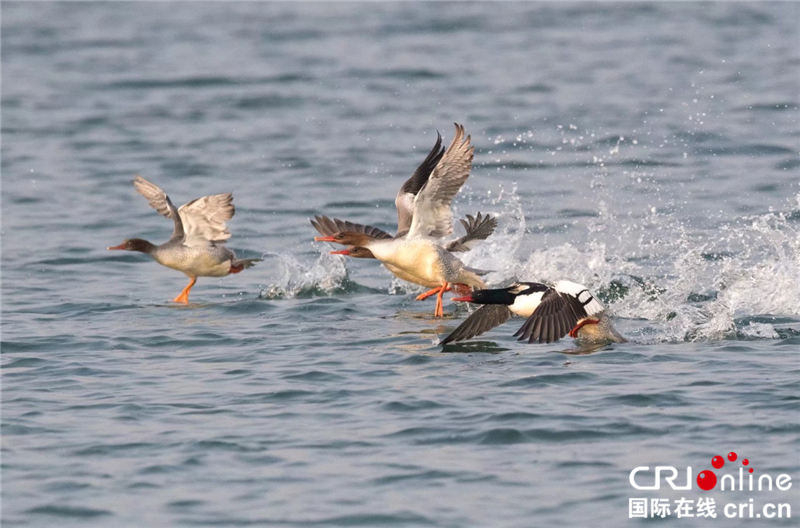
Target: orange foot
423, 296
439, 311
184, 296
574, 332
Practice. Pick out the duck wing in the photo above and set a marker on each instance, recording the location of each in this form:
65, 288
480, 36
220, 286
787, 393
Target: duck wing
478, 228
432, 214
330, 226
160, 202
482, 320
560, 309
404, 201
204, 219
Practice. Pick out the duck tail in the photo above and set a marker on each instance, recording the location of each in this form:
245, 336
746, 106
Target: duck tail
478, 228
479, 272
243, 264
471, 277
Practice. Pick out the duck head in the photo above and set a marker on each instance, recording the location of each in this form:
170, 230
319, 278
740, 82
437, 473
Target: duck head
135, 244
346, 238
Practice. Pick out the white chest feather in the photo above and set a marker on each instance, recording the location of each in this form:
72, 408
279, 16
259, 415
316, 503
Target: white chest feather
524, 305
416, 261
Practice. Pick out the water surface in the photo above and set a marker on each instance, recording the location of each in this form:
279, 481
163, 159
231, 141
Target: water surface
649, 151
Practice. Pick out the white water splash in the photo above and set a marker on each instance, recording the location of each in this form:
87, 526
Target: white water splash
683, 285
672, 281
291, 277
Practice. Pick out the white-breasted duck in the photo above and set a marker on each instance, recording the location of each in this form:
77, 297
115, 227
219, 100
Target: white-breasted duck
424, 217
566, 308
478, 228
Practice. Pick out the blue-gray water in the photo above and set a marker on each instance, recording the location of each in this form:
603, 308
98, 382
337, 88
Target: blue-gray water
649, 151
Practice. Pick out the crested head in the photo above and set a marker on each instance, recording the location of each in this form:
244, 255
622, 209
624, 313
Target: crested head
135, 244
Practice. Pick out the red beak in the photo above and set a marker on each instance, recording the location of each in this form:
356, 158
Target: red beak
466, 298
121, 246
324, 239
341, 252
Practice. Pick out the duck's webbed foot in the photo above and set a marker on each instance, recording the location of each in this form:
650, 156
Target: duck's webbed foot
184, 296
439, 311
429, 293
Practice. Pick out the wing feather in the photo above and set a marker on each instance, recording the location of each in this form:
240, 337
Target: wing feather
432, 214
585, 303
535, 330
204, 219
159, 201
478, 228
559, 311
330, 226
482, 320
404, 202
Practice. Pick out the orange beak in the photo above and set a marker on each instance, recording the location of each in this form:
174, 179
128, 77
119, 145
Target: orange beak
466, 298
341, 252
324, 239
121, 246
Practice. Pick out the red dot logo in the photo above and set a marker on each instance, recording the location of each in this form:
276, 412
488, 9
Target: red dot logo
732, 456
745, 462
718, 462
706, 480
750, 470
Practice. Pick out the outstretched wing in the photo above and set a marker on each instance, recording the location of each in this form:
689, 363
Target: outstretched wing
478, 228
330, 226
160, 202
404, 202
561, 307
204, 220
482, 320
432, 214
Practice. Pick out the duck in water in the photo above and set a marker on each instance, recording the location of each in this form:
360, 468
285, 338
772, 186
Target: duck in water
197, 244
566, 308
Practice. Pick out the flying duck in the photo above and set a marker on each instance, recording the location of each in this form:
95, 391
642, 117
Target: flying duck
196, 247
552, 312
